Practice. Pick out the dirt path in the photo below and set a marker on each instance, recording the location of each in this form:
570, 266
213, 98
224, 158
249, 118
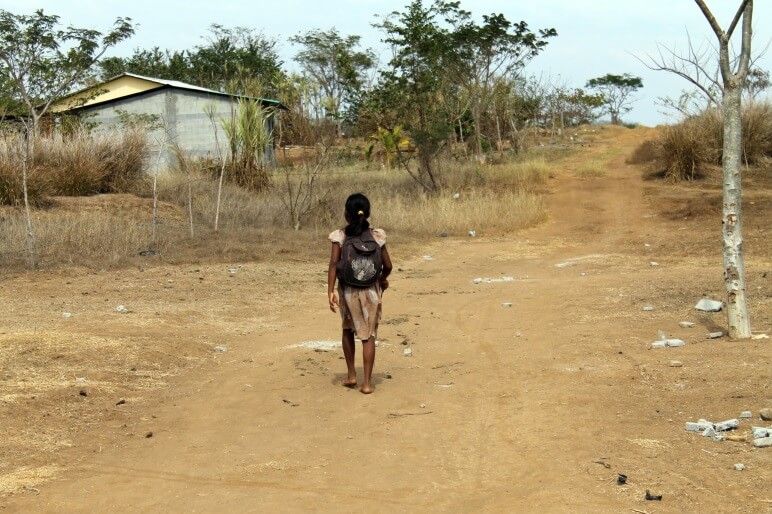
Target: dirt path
534, 407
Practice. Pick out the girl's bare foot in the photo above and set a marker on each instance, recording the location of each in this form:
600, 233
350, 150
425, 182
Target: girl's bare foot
350, 382
366, 389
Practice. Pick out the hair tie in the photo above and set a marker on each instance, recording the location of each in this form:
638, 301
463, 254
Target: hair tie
361, 213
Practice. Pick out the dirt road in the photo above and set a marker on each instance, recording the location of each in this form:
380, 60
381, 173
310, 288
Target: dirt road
529, 392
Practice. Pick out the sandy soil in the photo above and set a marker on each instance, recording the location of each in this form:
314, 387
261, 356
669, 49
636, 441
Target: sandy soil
199, 399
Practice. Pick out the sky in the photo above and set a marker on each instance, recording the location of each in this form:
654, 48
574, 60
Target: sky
595, 37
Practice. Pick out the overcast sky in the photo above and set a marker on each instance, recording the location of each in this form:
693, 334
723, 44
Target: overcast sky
595, 37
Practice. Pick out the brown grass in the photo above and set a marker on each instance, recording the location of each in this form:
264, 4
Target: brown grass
111, 230
77, 164
693, 148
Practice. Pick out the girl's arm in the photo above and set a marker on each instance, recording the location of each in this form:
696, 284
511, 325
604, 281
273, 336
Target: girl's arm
332, 274
386, 261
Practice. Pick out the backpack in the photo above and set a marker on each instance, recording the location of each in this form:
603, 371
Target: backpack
360, 262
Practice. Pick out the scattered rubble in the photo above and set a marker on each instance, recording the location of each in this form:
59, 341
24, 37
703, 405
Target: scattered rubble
762, 437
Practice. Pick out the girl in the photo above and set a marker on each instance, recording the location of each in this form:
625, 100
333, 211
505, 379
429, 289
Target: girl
360, 307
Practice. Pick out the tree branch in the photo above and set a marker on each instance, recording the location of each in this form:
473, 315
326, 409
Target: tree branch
740, 12
711, 19
747, 33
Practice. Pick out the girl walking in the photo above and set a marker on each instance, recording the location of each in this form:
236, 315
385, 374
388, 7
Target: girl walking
361, 264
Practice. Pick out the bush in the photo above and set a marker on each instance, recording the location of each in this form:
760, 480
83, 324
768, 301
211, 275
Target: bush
11, 163
757, 132
644, 153
74, 164
686, 150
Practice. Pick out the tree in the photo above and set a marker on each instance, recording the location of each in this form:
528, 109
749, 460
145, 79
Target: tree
408, 91
724, 89
334, 63
234, 58
486, 53
150, 63
734, 73
42, 63
616, 91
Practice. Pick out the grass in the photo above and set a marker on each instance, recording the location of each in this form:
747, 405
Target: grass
110, 230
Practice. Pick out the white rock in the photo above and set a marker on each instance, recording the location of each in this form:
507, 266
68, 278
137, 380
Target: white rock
746, 414
715, 335
739, 467
472, 233
648, 308
220, 349
66, 315
653, 264
707, 305
687, 324
506, 304
674, 342
763, 442
121, 309
407, 352
759, 432
658, 344
675, 364
729, 424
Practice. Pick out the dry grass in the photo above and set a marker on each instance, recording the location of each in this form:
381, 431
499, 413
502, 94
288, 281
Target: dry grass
111, 230
693, 148
76, 164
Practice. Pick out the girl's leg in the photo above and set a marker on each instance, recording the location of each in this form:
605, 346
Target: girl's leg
368, 359
349, 351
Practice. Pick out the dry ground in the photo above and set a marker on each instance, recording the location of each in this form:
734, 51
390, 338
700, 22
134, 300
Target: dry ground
199, 400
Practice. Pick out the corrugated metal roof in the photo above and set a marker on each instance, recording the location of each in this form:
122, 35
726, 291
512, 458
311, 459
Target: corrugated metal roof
172, 83
164, 83
184, 85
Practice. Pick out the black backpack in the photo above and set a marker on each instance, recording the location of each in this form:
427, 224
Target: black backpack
360, 263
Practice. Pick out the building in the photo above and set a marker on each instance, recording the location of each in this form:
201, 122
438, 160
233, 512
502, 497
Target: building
182, 111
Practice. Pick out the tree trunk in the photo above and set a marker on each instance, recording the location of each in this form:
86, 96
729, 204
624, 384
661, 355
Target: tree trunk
27, 163
734, 263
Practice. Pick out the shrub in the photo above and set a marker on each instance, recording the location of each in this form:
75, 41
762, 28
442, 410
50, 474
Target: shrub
757, 132
74, 164
644, 153
686, 150
11, 163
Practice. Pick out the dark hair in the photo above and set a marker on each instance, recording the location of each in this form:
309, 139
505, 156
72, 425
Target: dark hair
358, 210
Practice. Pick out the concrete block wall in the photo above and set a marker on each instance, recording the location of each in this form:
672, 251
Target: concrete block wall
187, 123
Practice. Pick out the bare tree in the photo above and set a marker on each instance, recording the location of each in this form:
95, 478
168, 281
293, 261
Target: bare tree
733, 75
724, 89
